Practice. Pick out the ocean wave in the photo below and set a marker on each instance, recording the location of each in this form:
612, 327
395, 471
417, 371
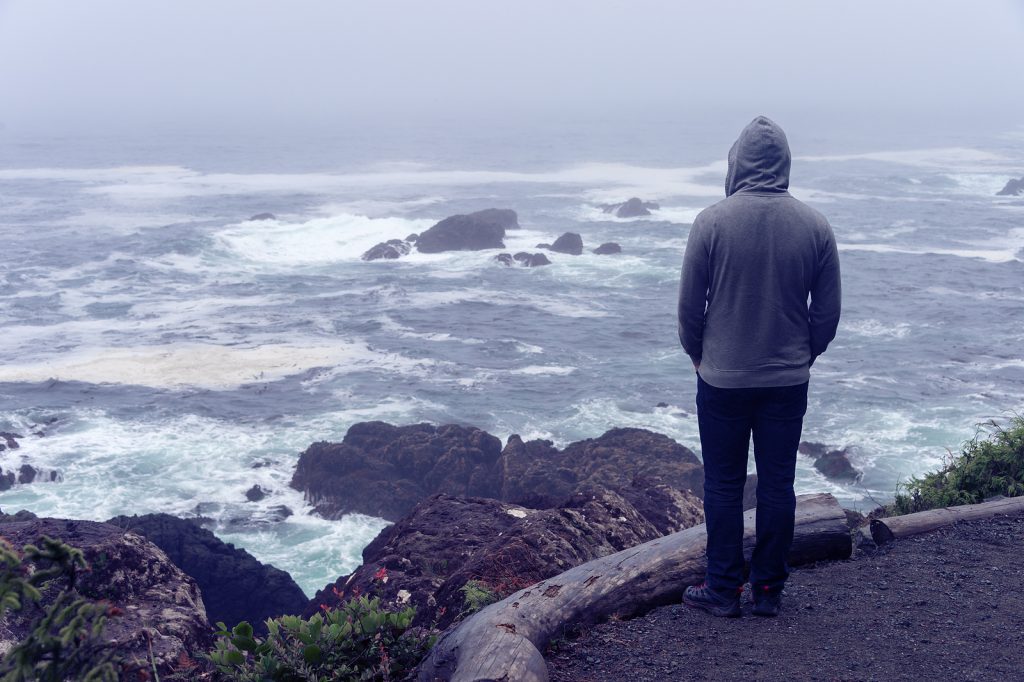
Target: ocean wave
954, 158
877, 329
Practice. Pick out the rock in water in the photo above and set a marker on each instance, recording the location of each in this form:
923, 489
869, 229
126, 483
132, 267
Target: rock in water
505, 259
235, 585
263, 216
570, 243
531, 260
1012, 188
833, 464
608, 248
473, 232
392, 248
631, 208
161, 616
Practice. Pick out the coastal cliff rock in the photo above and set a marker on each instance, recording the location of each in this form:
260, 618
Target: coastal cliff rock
472, 232
1012, 188
631, 208
570, 243
445, 542
160, 614
833, 464
235, 586
384, 470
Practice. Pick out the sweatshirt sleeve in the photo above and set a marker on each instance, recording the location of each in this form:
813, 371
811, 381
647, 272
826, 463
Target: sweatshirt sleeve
693, 292
826, 299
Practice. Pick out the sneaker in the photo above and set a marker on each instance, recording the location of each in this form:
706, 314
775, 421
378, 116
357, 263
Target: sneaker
715, 603
767, 600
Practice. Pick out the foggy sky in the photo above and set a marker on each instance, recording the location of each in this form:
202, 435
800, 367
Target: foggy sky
217, 63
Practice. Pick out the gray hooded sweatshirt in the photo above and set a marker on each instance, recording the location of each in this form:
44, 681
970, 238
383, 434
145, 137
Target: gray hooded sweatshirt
752, 260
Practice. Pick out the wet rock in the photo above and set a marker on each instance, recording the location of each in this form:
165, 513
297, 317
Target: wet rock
255, 493
631, 208
608, 248
161, 614
505, 259
543, 245
473, 232
531, 260
7, 479
235, 586
570, 243
833, 464
391, 249
263, 216
412, 238
10, 439
20, 515
1012, 188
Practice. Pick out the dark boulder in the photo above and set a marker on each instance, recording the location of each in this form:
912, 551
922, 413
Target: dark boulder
833, 464
473, 232
263, 216
570, 243
631, 208
543, 245
160, 620
384, 470
29, 474
255, 493
10, 440
412, 238
234, 584
392, 248
1012, 188
531, 260
608, 248
505, 259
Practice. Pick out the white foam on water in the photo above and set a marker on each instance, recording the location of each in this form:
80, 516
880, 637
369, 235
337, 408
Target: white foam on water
877, 329
1002, 255
561, 306
542, 370
954, 158
980, 184
320, 241
198, 365
407, 333
683, 215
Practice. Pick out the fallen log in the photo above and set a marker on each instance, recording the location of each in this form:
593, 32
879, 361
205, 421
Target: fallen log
892, 528
504, 641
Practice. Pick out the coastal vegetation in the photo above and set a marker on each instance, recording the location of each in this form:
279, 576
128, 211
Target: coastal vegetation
989, 465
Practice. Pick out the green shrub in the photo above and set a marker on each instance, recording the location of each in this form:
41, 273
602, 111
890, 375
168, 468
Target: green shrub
356, 641
475, 596
986, 466
65, 642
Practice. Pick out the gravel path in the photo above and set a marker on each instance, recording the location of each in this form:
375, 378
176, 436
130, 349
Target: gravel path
948, 605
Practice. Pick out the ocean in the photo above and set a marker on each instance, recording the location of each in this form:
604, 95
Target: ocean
174, 353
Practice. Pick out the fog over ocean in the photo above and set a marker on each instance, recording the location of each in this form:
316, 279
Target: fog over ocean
186, 353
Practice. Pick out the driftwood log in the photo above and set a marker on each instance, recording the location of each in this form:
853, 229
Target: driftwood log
504, 641
886, 530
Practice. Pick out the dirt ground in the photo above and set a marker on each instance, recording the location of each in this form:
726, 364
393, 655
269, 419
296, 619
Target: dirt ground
948, 605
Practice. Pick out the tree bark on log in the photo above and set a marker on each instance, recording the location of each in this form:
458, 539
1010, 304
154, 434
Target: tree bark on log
888, 529
504, 641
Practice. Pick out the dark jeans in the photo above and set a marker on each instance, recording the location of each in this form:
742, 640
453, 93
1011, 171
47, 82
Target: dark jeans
727, 417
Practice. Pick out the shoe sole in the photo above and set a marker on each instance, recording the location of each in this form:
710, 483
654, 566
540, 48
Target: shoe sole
731, 611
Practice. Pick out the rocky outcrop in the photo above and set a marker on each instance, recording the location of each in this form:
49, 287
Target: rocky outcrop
10, 440
157, 612
527, 260
473, 232
384, 470
535, 473
570, 243
235, 586
263, 216
833, 464
1012, 188
429, 556
608, 248
631, 208
392, 248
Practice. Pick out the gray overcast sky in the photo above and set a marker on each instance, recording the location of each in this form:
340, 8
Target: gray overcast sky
203, 63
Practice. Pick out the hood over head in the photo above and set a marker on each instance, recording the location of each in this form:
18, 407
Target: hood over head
759, 160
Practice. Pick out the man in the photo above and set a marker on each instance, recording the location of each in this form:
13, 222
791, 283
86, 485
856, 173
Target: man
752, 260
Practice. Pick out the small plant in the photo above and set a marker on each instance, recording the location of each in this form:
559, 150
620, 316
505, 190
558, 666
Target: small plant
66, 642
475, 595
985, 467
358, 640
